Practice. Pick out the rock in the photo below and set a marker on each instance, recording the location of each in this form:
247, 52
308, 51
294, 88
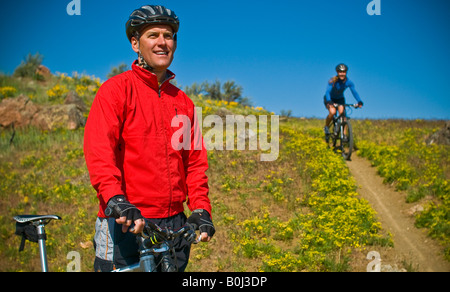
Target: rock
86, 244
394, 268
59, 116
73, 98
441, 137
43, 71
19, 110
223, 112
416, 209
23, 112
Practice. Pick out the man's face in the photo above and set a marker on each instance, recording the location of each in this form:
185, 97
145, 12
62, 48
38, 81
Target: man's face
342, 75
157, 45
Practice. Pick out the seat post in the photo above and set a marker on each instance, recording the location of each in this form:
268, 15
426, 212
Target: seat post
42, 248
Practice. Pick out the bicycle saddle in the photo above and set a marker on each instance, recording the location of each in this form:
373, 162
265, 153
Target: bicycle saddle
33, 218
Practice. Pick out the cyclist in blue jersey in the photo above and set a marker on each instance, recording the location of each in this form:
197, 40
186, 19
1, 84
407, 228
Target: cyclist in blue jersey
335, 94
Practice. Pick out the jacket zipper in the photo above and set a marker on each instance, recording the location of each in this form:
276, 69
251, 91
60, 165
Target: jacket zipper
167, 151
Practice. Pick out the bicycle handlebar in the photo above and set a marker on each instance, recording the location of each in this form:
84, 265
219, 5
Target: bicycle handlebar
355, 105
158, 235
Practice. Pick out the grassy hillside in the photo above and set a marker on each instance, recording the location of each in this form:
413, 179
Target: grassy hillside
300, 212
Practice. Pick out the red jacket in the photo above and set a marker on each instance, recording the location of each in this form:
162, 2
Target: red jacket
128, 149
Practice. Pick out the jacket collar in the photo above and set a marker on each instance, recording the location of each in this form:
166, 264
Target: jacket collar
149, 78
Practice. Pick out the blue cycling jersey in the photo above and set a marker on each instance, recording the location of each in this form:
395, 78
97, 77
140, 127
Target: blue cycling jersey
336, 91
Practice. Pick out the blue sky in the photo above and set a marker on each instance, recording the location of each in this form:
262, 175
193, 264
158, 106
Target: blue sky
281, 52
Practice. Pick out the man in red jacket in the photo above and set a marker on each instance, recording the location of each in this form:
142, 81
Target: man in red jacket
133, 166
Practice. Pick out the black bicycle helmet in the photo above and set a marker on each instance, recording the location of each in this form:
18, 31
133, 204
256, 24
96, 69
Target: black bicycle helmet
341, 68
150, 14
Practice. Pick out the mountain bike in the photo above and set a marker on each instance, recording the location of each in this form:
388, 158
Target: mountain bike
340, 137
153, 241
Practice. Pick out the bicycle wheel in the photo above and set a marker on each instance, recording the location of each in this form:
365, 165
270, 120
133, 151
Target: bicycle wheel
346, 140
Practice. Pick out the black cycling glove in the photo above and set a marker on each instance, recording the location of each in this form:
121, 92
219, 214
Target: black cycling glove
118, 206
202, 220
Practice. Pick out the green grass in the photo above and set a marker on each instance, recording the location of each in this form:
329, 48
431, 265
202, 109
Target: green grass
284, 215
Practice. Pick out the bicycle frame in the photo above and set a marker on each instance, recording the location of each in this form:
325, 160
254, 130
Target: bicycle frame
147, 261
338, 121
146, 258
342, 124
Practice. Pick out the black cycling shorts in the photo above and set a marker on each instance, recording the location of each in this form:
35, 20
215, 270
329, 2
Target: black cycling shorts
340, 101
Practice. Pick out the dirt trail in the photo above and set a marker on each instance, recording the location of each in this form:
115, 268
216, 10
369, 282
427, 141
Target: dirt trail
411, 244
